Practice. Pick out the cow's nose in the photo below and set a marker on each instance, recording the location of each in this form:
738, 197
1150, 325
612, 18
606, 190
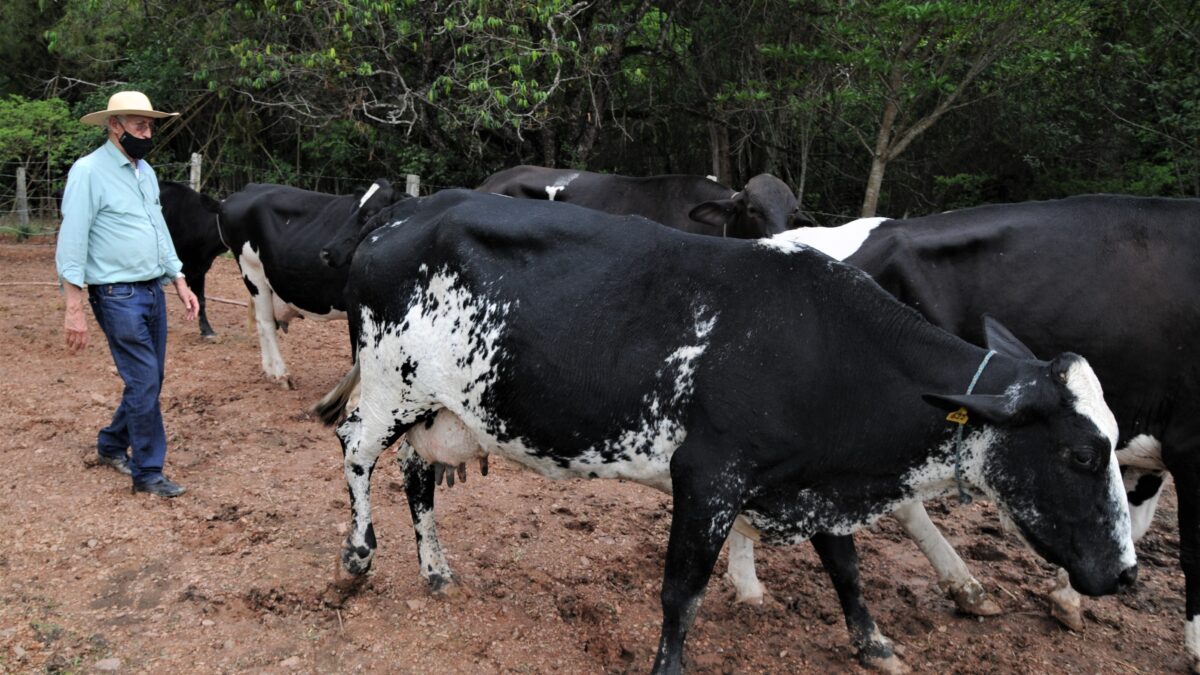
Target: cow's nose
1127, 579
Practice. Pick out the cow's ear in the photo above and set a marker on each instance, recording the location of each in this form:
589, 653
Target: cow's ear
715, 213
1003, 341
991, 408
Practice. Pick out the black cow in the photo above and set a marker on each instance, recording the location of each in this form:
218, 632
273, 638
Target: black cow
689, 203
578, 343
276, 234
192, 220
1114, 277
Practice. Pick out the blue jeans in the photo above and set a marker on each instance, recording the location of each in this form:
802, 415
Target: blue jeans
134, 319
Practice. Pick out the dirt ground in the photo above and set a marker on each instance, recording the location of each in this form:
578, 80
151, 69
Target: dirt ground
558, 576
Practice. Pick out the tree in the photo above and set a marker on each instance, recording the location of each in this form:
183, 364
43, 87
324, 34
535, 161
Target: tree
919, 62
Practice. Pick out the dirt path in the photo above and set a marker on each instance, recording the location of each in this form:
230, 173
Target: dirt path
559, 577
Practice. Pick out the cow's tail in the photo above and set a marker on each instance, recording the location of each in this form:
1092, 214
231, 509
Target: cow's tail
331, 407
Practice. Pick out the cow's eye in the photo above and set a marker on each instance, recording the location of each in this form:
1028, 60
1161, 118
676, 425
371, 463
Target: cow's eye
1083, 457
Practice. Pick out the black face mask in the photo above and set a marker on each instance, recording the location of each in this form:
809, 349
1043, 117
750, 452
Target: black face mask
135, 147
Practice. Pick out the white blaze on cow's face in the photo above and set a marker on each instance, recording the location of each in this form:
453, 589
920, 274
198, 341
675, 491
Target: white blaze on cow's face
838, 243
1089, 402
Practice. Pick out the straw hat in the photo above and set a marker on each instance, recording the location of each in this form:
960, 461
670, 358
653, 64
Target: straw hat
125, 103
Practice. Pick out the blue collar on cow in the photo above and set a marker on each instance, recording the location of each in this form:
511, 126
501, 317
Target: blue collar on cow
959, 417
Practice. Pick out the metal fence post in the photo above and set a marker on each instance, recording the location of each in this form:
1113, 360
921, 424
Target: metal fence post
22, 206
413, 185
194, 179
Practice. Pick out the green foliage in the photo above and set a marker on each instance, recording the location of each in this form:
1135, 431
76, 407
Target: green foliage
41, 131
966, 100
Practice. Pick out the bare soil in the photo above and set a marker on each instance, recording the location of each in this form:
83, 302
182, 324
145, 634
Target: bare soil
557, 577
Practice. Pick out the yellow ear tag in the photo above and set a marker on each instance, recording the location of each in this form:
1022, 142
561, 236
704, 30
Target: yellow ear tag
958, 416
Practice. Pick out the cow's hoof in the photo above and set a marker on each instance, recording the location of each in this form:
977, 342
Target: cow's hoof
747, 593
972, 599
356, 560
890, 664
287, 383
440, 584
1067, 614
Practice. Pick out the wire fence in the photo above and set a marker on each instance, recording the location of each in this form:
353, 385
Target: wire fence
30, 192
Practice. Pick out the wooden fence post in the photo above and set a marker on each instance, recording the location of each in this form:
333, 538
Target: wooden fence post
22, 205
413, 185
194, 179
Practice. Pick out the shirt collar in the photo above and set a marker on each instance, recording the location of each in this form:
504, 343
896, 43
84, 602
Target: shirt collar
116, 155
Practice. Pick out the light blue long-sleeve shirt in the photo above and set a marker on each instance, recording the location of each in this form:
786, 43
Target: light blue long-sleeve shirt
113, 229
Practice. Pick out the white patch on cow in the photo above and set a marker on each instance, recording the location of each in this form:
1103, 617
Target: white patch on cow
838, 243
712, 178
370, 191
1089, 402
815, 512
1142, 452
264, 312
781, 245
384, 228
450, 339
559, 185
1191, 639
1141, 516
1089, 399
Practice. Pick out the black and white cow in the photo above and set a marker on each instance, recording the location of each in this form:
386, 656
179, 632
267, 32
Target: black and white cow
690, 203
577, 343
276, 234
192, 220
1113, 277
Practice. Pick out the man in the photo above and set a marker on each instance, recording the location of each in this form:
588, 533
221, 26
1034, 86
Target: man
114, 240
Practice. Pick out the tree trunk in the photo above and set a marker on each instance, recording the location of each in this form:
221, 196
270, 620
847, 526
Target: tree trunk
722, 166
879, 158
874, 184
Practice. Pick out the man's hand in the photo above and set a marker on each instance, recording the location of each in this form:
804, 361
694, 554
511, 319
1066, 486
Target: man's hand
191, 304
75, 323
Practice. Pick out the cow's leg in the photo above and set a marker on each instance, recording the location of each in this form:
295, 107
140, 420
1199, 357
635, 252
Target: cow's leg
953, 576
1183, 461
741, 569
364, 436
705, 505
841, 562
419, 487
196, 283
263, 306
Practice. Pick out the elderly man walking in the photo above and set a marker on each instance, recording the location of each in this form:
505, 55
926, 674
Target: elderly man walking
114, 240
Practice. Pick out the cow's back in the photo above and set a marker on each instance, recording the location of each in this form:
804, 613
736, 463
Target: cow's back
1112, 278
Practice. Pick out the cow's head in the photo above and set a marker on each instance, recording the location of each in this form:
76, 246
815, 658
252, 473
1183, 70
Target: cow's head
764, 208
339, 250
1045, 454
